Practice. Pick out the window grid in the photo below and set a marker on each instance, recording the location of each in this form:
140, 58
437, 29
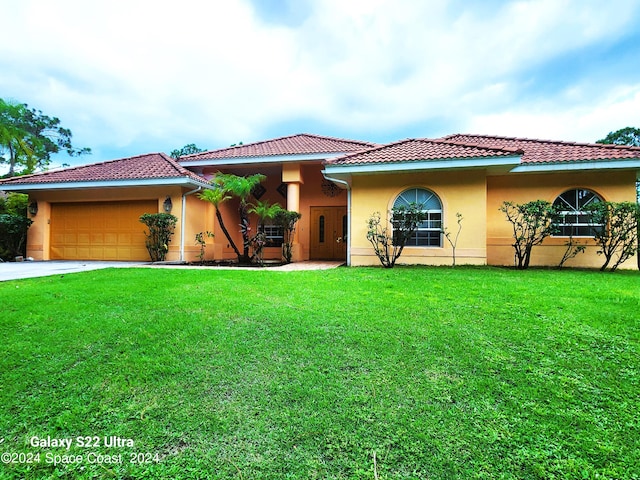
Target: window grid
429, 232
274, 235
574, 219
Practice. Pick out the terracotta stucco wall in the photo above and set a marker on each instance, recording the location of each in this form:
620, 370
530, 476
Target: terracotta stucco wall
462, 191
199, 218
229, 210
613, 186
310, 179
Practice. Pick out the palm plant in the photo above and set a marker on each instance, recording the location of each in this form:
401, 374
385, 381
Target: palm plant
264, 211
216, 197
229, 185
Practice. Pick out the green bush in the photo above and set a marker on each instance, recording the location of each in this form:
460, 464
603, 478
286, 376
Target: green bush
532, 222
161, 227
618, 239
287, 219
387, 245
14, 203
13, 234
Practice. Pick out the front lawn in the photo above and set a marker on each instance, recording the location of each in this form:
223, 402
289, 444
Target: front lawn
358, 373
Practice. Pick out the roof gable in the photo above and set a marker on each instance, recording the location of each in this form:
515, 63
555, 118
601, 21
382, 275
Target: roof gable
414, 150
140, 167
300, 144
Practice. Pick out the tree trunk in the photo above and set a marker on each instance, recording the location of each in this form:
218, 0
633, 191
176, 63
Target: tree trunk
244, 220
12, 162
226, 234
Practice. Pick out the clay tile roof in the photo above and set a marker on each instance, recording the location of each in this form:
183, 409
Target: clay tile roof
302, 143
549, 151
421, 150
141, 167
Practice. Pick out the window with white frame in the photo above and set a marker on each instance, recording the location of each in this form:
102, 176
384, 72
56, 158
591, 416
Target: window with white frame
429, 232
574, 218
274, 235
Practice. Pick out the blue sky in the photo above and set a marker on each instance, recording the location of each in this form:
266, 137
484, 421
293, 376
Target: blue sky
136, 76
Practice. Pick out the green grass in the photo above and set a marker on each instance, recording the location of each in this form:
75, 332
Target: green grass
436, 372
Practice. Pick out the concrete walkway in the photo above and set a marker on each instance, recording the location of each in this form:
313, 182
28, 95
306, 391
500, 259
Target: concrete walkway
17, 270
307, 265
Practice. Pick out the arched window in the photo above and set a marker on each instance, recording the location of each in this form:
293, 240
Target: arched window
429, 232
574, 218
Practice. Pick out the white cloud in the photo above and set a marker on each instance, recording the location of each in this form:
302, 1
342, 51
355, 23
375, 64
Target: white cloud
148, 75
581, 123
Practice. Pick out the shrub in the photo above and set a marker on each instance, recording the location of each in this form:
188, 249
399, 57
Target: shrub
619, 234
573, 249
532, 222
404, 221
13, 233
454, 242
161, 227
202, 241
14, 203
287, 219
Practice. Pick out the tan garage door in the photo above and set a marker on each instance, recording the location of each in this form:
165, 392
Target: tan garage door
99, 230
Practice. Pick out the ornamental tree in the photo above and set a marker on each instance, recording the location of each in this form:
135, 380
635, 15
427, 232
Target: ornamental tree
161, 227
531, 222
287, 219
618, 235
388, 246
229, 186
627, 136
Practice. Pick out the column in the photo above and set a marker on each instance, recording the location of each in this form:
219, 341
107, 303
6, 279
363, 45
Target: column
292, 176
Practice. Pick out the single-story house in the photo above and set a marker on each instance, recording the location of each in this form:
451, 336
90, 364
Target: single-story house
91, 212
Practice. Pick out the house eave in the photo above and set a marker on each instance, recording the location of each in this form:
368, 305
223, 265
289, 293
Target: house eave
423, 165
148, 182
271, 159
578, 165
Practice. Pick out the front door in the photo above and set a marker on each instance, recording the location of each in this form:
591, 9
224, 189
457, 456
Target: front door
328, 233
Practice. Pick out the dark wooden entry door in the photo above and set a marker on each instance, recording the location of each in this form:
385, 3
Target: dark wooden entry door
328, 233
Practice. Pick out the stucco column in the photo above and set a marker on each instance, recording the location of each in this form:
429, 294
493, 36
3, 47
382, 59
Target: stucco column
293, 205
39, 234
292, 176
293, 197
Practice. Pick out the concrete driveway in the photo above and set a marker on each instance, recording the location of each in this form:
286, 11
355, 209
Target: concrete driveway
16, 270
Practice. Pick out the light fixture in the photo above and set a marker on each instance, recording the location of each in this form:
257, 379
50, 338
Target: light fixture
33, 208
167, 205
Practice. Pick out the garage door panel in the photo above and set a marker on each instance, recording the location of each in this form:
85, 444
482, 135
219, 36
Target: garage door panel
99, 230
84, 238
112, 223
70, 238
96, 223
110, 238
125, 239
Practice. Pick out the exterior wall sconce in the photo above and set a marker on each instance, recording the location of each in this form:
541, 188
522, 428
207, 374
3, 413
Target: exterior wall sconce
167, 205
33, 208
